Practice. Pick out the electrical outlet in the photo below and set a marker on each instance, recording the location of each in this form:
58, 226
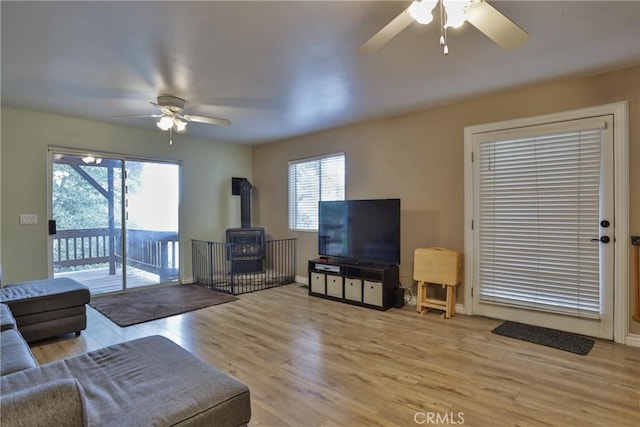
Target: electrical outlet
635, 240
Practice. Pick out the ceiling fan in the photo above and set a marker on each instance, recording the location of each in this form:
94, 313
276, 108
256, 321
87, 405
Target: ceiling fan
453, 13
172, 117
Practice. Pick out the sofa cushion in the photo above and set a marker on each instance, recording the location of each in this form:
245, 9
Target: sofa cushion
149, 381
39, 296
58, 403
15, 354
6, 318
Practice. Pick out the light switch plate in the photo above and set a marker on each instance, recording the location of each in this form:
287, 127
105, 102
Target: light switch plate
28, 219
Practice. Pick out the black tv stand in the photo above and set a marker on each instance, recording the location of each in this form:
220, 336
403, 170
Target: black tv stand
353, 282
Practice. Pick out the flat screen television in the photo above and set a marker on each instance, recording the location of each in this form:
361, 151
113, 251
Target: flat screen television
366, 231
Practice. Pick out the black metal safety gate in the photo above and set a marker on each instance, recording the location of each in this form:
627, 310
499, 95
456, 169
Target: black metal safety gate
213, 266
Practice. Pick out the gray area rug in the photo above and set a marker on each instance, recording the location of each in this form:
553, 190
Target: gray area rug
548, 337
156, 303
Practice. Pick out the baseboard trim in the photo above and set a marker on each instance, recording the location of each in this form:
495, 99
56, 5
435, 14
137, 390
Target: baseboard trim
303, 280
632, 340
459, 307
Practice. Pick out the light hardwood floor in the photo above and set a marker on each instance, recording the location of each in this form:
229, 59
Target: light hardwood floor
313, 362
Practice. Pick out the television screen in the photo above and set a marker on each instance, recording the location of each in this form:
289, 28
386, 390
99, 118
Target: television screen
362, 230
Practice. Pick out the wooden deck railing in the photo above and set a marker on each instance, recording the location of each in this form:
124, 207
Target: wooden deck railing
155, 252
83, 247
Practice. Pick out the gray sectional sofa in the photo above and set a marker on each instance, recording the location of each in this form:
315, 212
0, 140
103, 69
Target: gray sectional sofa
144, 382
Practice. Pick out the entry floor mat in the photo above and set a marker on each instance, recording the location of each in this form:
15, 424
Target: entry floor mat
548, 337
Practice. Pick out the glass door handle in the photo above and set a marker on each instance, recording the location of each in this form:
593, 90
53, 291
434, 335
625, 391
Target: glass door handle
603, 239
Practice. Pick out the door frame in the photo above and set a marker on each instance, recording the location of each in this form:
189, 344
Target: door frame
125, 158
620, 113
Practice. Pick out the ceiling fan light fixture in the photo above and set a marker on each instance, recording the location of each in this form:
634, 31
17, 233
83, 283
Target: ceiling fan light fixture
455, 11
421, 10
180, 125
165, 123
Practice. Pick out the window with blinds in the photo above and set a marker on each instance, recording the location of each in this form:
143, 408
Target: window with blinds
538, 211
310, 181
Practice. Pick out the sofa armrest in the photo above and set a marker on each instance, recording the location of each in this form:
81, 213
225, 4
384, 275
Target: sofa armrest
59, 403
6, 318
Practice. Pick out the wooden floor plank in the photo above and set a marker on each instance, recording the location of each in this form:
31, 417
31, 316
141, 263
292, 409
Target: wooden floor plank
314, 362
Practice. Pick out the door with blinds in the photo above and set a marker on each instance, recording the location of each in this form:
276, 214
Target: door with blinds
543, 201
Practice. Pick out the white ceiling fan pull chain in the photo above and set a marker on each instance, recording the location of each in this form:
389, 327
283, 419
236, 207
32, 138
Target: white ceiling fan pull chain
443, 30
442, 42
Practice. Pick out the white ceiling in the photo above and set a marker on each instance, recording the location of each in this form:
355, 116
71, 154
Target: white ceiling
280, 69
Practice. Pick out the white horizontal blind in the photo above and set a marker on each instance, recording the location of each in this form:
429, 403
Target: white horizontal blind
310, 181
538, 211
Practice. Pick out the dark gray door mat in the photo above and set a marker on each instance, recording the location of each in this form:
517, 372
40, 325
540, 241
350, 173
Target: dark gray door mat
549, 337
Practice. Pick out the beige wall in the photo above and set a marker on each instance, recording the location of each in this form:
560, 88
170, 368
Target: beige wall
418, 157
207, 206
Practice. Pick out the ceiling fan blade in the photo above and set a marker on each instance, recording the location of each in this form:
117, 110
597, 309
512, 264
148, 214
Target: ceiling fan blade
162, 108
207, 120
134, 116
503, 31
387, 32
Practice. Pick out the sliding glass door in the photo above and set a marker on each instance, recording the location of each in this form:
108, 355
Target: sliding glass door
152, 244
114, 221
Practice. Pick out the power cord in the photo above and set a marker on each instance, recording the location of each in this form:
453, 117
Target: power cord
408, 293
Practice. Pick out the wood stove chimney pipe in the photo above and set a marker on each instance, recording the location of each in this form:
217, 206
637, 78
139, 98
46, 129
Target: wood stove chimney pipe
245, 204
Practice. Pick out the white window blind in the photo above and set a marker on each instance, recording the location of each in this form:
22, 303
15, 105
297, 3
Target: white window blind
538, 211
310, 181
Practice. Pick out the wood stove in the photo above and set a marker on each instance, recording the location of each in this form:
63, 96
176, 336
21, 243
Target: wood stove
246, 248
245, 261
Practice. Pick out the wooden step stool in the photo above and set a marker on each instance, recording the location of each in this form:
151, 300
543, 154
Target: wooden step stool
437, 266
